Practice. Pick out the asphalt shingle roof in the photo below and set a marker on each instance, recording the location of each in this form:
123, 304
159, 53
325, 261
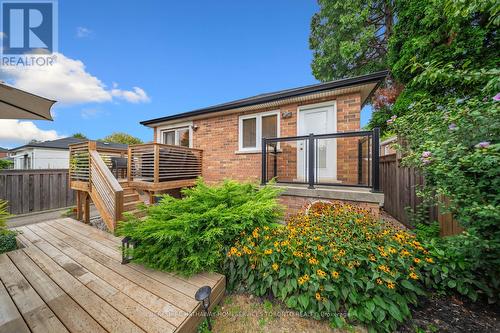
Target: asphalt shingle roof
65, 142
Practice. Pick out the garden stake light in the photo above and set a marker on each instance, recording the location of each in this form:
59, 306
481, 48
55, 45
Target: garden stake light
126, 243
203, 296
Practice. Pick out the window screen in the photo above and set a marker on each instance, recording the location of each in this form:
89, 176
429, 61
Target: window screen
250, 133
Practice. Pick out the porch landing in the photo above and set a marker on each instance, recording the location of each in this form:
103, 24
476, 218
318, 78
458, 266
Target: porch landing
69, 278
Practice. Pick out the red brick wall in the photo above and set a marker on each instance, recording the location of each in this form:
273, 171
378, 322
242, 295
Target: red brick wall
218, 137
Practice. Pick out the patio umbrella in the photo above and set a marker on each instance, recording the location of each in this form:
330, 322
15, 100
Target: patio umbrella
19, 104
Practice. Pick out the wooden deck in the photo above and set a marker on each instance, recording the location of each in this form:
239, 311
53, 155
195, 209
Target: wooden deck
68, 278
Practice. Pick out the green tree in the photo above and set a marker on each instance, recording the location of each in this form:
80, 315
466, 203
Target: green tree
120, 137
5, 164
80, 136
350, 38
446, 54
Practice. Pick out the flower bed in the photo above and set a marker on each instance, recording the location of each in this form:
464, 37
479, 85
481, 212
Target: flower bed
336, 259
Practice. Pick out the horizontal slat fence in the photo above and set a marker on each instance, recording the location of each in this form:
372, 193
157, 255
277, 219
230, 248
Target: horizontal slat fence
400, 185
36, 190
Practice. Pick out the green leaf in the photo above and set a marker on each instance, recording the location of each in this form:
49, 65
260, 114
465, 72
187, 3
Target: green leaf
291, 302
304, 301
452, 283
395, 313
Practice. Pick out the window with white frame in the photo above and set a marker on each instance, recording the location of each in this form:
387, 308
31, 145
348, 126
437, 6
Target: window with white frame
252, 128
177, 136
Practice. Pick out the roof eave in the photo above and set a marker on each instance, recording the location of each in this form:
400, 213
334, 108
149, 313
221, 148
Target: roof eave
370, 78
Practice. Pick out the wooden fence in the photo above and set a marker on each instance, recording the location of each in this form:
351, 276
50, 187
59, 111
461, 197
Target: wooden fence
35, 190
400, 185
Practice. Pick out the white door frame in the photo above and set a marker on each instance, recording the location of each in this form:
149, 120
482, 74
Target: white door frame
333, 166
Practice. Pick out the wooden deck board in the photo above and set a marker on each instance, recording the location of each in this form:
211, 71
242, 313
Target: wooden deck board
69, 277
35, 312
10, 318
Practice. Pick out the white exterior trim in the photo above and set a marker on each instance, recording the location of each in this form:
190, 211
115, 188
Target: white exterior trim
166, 128
258, 142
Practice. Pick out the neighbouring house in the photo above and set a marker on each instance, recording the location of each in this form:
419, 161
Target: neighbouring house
52, 154
387, 146
4, 152
308, 140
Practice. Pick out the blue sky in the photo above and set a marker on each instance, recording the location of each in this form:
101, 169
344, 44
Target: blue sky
181, 55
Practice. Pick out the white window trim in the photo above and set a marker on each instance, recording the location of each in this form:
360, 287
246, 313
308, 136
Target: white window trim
172, 127
258, 124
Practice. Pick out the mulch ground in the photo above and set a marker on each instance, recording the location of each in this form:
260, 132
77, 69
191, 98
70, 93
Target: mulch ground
453, 314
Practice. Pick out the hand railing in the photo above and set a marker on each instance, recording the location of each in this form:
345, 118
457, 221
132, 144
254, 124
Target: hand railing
340, 159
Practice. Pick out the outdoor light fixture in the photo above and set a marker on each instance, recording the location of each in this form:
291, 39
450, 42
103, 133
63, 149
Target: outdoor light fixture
127, 243
286, 114
203, 296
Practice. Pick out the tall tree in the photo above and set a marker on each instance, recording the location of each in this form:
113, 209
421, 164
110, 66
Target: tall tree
120, 137
79, 136
350, 38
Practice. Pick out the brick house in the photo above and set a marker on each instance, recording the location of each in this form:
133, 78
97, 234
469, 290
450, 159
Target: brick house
231, 138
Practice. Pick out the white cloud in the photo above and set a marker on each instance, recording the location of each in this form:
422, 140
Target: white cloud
82, 32
20, 132
136, 96
68, 82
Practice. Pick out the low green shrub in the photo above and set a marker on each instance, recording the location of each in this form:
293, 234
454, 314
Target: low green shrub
189, 235
465, 263
336, 258
7, 241
7, 237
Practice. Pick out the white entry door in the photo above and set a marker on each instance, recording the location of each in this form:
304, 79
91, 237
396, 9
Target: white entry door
318, 120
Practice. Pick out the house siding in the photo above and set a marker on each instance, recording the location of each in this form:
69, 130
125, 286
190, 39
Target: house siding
218, 137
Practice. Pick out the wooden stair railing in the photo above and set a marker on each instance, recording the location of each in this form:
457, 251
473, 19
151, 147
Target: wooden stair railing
105, 191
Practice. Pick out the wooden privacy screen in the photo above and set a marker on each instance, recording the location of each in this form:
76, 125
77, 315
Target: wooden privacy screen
35, 190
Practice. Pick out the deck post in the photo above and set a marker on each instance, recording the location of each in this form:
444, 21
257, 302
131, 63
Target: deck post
311, 161
79, 205
86, 204
156, 163
129, 164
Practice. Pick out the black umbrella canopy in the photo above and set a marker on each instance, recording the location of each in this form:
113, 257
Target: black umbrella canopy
19, 104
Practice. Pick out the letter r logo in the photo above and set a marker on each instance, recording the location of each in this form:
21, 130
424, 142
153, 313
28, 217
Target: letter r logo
29, 27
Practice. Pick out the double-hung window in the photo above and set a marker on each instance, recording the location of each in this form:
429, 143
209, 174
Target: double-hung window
252, 128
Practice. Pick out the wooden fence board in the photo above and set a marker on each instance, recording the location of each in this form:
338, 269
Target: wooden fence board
30, 191
400, 186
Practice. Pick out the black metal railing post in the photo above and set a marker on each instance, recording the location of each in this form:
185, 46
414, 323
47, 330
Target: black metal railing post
264, 162
360, 161
375, 159
275, 161
311, 161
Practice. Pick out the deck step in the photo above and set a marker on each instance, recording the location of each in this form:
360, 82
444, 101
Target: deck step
137, 213
131, 197
128, 190
128, 206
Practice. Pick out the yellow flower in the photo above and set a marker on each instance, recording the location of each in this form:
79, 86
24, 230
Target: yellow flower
268, 251
392, 250
320, 273
320, 248
416, 260
335, 274
301, 281
298, 254
372, 257
379, 281
405, 253
285, 243
429, 260
413, 276
266, 228
255, 233
238, 254
234, 250
276, 244
390, 285
313, 261
275, 266
318, 296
